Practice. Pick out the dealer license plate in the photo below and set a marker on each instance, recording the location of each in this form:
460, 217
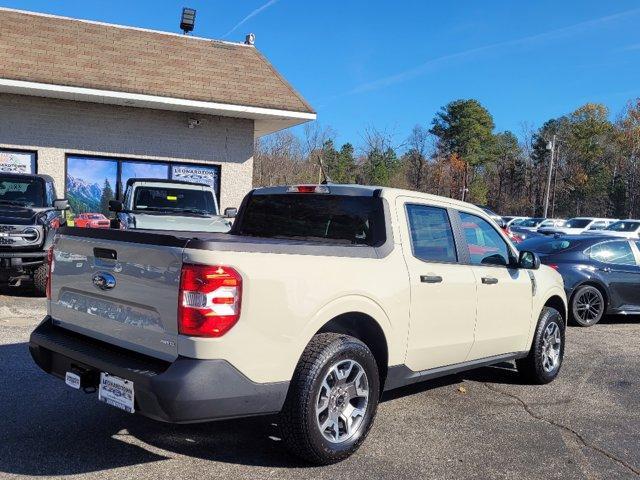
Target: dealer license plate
116, 392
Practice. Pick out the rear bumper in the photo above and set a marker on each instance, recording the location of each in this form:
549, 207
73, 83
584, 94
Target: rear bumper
184, 391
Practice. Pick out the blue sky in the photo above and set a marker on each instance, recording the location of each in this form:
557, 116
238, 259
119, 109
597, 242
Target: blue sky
92, 171
393, 64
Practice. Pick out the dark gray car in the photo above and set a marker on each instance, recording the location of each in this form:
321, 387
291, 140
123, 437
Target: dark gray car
601, 274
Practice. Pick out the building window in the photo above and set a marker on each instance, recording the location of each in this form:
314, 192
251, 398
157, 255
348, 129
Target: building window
12, 161
92, 181
143, 170
90, 184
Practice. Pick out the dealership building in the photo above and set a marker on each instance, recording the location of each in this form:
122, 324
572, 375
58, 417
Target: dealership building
93, 104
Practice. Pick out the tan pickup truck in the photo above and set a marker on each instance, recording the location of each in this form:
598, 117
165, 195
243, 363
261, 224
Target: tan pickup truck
320, 298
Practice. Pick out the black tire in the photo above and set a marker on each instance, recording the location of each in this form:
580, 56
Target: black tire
299, 421
40, 279
582, 317
534, 368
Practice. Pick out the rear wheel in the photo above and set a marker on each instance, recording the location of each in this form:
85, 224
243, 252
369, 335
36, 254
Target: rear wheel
587, 306
40, 279
332, 400
544, 360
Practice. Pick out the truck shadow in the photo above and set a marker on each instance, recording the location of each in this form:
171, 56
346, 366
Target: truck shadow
26, 291
50, 429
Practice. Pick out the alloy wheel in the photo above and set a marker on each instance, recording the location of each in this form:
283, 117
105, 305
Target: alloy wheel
342, 401
588, 306
551, 347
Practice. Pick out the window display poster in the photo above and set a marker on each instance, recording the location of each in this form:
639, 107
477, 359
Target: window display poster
17, 162
197, 174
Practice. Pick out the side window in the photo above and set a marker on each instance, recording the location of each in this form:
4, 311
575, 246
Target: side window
431, 234
617, 253
486, 246
599, 225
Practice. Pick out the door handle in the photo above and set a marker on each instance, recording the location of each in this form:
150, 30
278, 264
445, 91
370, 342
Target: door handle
430, 278
489, 280
105, 253
605, 269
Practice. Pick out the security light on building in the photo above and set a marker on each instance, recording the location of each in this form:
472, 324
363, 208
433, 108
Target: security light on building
188, 20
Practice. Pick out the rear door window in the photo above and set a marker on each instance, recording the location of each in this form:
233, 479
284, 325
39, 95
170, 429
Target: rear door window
616, 253
486, 246
431, 234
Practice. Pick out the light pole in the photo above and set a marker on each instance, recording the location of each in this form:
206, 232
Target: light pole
551, 146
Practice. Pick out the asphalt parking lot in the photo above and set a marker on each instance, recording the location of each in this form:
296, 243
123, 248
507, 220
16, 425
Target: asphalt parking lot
482, 424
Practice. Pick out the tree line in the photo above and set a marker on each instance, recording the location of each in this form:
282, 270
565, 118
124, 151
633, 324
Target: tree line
459, 154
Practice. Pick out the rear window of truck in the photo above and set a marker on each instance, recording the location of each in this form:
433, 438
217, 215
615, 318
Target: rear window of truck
325, 218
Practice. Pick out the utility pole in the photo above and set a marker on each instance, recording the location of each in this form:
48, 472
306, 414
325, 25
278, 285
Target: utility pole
552, 147
465, 190
555, 183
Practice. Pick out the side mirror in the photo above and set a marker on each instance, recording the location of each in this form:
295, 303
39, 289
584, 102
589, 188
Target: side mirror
529, 260
115, 206
61, 204
230, 212
501, 223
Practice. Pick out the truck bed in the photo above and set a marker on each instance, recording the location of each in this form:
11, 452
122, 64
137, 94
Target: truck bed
228, 242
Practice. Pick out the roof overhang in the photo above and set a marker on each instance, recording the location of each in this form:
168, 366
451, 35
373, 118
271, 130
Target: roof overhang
267, 120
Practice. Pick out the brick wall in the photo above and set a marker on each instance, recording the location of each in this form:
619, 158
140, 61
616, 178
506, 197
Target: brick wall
54, 128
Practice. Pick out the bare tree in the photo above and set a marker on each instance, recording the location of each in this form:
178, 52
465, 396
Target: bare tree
420, 143
278, 159
313, 142
379, 160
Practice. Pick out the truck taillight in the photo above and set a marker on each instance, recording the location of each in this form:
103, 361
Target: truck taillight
50, 258
308, 189
209, 300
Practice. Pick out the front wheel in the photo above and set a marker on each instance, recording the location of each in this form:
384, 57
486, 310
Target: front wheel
332, 400
544, 360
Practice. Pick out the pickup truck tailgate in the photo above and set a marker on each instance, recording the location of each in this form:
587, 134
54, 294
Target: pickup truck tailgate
122, 289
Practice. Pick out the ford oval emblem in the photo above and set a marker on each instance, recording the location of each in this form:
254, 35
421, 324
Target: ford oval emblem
104, 281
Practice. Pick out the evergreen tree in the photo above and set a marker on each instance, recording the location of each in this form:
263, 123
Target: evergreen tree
465, 130
107, 194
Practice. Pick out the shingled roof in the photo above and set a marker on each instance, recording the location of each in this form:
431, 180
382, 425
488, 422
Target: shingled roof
61, 51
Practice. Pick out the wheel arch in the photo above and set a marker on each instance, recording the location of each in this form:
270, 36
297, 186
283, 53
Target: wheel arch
556, 302
604, 290
366, 329
365, 319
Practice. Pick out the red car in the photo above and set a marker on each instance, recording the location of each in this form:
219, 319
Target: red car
91, 220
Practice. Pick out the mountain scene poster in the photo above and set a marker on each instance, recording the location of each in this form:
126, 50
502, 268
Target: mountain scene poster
91, 183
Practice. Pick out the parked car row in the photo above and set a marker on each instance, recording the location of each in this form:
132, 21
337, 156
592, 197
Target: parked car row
598, 258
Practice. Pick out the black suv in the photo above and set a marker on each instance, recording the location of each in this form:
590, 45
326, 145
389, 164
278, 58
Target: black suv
30, 214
